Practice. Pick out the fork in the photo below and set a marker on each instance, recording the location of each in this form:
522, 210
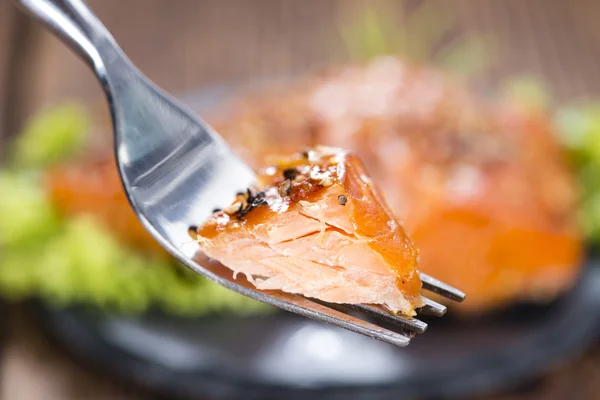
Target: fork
175, 170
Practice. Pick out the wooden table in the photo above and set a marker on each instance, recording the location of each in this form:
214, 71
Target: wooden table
183, 44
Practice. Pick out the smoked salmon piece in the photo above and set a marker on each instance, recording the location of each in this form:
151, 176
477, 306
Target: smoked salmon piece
483, 187
318, 227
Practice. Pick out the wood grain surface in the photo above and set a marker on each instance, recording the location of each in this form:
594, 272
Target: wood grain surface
8, 43
185, 44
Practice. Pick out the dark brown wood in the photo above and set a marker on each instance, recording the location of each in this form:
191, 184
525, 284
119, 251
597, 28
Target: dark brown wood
7, 44
190, 43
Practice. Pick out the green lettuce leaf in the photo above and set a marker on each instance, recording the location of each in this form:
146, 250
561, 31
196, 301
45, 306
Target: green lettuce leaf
25, 216
51, 136
579, 131
76, 261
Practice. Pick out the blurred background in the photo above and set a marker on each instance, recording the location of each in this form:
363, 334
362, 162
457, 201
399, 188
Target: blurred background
541, 54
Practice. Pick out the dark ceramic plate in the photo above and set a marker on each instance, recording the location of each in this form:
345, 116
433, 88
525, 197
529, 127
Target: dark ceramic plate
286, 357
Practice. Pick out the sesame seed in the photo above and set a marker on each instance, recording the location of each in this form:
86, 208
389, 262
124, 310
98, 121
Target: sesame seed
290, 173
285, 188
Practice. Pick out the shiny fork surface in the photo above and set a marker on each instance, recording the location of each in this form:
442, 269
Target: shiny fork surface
176, 170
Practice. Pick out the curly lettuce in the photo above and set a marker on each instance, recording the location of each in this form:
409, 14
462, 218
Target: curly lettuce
579, 129
51, 136
26, 217
75, 260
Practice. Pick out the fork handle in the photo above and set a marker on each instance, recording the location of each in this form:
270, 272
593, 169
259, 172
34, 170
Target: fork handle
76, 25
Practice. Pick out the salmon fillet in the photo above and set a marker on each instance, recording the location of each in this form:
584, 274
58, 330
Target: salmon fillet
482, 187
317, 226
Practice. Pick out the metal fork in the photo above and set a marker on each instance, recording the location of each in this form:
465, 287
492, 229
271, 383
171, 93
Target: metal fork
176, 170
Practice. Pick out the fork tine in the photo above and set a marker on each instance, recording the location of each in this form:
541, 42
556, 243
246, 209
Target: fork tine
439, 287
308, 308
412, 324
334, 314
433, 307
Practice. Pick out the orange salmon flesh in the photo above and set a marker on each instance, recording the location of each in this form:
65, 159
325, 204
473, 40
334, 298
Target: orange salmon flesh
318, 227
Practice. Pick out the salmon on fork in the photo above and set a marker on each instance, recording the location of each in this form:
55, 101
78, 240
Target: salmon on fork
318, 227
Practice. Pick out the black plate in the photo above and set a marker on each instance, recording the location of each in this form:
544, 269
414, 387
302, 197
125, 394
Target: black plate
284, 356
